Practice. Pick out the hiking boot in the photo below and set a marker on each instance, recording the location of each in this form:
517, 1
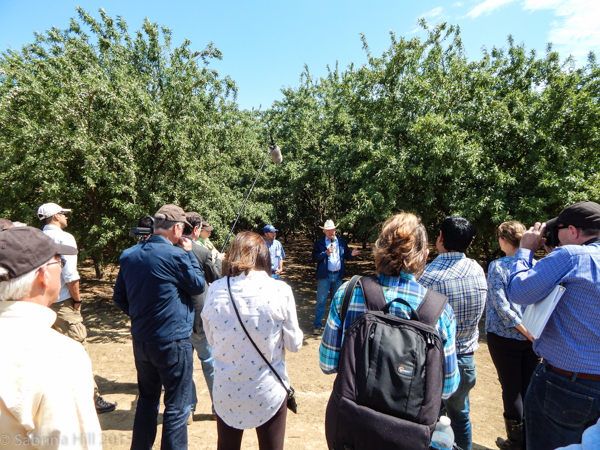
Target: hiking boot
190, 419
317, 331
102, 406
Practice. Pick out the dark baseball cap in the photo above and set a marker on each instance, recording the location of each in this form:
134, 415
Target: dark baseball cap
581, 215
23, 249
172, 213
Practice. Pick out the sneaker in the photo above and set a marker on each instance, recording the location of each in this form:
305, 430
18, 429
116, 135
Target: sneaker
316, 331
102, 406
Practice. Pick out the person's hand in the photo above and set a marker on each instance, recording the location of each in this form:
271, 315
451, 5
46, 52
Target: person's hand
533, 238
185, 244
548, 249
355, 252
76, 306
330, 250
278, 272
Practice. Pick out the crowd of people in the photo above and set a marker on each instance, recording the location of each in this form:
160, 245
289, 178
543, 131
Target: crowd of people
235, 310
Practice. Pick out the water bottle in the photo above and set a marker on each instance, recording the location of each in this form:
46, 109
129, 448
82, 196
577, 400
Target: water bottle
443, 436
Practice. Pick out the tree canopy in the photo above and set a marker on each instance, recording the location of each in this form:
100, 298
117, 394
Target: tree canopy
114, 125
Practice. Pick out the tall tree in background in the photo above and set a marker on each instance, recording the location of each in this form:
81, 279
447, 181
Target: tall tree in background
113, 126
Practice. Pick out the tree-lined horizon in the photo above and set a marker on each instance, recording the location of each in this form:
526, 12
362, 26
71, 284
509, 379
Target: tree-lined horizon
114, 125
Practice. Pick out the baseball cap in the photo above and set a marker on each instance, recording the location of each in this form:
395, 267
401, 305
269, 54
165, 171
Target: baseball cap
23, 249
581, 215
269, 229
49, 209
172, 213
206, 226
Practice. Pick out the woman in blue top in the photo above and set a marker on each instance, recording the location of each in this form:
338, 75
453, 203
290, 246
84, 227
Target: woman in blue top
509, 343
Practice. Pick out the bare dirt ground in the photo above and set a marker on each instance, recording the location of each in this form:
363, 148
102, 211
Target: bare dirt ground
109, 346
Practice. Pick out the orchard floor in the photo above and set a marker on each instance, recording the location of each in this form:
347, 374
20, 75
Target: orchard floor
109, 346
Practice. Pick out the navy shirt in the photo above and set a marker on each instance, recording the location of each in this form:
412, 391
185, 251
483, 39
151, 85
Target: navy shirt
154, 287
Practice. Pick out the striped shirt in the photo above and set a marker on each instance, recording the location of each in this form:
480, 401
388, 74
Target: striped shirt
462, 280
571, 338
404, 287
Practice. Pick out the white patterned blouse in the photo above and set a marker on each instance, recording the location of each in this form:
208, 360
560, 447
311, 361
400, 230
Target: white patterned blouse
245, 392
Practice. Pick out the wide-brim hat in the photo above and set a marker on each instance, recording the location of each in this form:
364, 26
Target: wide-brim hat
23, 249
329, 225
49, 209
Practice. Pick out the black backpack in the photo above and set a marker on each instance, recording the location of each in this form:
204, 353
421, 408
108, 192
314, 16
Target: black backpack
388, 391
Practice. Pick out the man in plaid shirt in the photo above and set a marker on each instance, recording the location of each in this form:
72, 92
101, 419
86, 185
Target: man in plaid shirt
463, 281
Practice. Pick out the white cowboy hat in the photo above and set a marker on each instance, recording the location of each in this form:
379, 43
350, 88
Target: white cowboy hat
329, 225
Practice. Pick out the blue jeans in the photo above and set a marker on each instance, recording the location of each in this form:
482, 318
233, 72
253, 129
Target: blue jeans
170, 365
558, 409
324, 286
457, 406
275, 276
201, 345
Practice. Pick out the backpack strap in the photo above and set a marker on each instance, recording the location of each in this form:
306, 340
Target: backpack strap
431, 307
372, 293
346, 301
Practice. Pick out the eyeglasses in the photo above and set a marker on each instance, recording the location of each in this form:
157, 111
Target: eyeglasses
61, 262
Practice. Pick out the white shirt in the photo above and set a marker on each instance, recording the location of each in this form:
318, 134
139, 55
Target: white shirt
46, 384
69, 271
333, 261
245, 393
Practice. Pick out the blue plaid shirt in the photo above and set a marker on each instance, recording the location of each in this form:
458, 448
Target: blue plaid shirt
462, 280
571, 338
404, 287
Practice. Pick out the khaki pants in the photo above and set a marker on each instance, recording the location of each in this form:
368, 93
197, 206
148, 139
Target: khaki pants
69, 322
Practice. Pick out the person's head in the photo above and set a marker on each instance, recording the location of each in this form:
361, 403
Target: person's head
193, 227
456, 234
578, 223
247, 252
511, 233
5, 223
269, 232
169, 221
30, 266
329, 229
205, 230
401, 246
53, 214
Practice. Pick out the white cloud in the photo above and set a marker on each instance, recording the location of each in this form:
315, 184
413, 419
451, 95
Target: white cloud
487, 7
435, 12
576, 30
458, 4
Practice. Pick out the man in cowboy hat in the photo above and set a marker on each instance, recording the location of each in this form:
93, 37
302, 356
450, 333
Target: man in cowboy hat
329, 253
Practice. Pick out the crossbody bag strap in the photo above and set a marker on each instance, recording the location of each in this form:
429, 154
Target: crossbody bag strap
247, 334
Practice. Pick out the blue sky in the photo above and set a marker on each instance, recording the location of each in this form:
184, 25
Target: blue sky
265, 43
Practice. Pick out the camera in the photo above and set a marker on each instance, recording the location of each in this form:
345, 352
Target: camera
145, 227
551, 234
